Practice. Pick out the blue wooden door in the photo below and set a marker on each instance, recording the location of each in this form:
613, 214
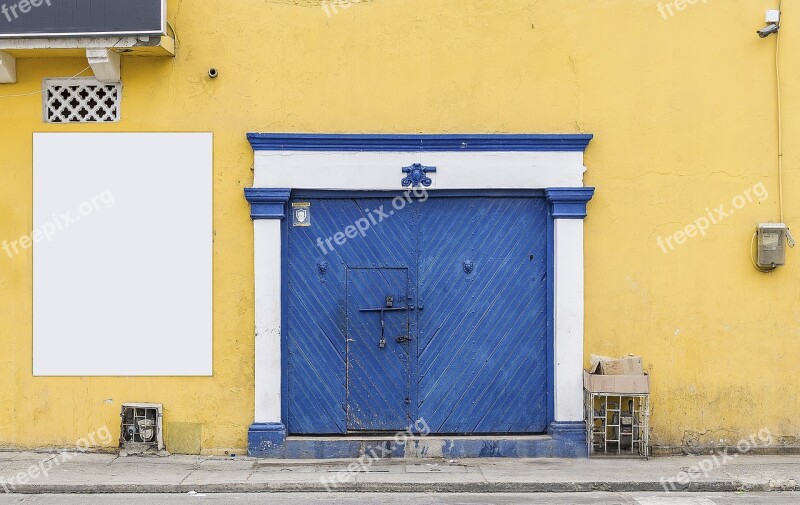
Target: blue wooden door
482, 334
378, 359
473, 272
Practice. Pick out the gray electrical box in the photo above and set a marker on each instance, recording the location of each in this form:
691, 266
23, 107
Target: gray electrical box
771, 245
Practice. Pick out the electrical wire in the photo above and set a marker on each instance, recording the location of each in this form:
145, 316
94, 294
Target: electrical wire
41, 91
780, 118
789, 239
66, 80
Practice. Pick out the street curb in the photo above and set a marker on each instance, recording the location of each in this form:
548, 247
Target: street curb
384, 487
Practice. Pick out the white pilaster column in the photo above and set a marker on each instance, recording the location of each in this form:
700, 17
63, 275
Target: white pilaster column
268, 320
267, 208
568, 208
568, 346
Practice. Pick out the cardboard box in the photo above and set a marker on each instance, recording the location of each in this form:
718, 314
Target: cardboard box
620, 384
629, 365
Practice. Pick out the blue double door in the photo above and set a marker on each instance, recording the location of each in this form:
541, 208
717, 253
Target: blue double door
433, 311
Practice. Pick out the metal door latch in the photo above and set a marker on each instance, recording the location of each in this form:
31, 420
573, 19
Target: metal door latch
382, 311
403, 339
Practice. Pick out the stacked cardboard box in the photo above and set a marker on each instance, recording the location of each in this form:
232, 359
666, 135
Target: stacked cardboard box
610, 375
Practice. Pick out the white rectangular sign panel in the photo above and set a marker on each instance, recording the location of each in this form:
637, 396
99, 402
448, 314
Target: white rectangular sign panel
122, 254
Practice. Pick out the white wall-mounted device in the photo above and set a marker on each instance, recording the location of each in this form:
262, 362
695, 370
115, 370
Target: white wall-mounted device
773, 20
773, 16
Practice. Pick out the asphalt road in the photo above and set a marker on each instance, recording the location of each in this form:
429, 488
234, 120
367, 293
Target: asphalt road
412, 499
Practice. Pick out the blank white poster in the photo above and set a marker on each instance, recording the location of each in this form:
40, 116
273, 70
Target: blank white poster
122, 254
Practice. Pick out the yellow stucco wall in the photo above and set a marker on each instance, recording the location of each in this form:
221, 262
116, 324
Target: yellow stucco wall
683, 110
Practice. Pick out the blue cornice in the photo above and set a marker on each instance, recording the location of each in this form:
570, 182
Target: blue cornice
418, 142
568, 203
267, 203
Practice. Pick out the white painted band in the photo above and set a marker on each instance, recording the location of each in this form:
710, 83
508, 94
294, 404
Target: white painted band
382, 170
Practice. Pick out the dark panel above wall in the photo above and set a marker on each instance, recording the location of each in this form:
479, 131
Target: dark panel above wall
81, 18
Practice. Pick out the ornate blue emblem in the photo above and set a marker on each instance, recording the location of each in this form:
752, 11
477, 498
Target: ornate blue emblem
469, 266
417, 175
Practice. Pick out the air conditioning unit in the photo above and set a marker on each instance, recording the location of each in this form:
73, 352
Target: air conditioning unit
141, 428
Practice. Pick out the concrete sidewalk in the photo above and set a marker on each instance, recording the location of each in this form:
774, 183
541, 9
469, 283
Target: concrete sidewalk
31, 473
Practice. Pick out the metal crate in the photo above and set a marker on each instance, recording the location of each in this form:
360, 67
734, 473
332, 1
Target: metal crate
617, 424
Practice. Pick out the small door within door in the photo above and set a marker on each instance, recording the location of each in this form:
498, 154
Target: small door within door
378, 345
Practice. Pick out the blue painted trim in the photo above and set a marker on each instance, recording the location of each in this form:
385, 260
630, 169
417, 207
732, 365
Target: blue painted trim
418, 142
551, 326
564, 442
267, 203
266, 440
284, 322
480, 447
311, 448
568, 203
569, 439
434, 193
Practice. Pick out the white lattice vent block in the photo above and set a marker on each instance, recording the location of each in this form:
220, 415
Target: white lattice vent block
81, 101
